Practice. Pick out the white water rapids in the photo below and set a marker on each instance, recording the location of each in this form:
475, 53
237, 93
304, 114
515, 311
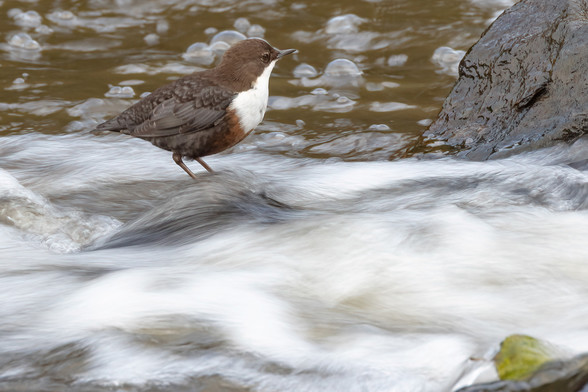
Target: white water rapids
277, 274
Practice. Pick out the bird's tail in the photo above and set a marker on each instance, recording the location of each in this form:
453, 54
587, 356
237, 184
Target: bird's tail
110, 125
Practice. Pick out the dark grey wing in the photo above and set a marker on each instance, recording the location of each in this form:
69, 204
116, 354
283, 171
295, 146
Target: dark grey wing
174, 116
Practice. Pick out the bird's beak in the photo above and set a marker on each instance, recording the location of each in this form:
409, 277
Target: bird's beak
282, 53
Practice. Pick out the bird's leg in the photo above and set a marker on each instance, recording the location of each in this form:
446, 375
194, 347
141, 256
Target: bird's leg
200, 161
178, 160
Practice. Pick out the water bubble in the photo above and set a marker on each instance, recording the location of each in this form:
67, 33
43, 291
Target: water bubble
300, 123
132, 68
28, 19
282, 103
162, 26
120, 92
319, 91
24, 41
131, 82
220, 47
363, 145
228, 36
397, 60
286, 103
43, 30
494, 3
305, 71
389, 106
199, 53
151, 39
425, 122
358, 42
344, 24
242, 24
338, 73
63, 15
278, 141
13, 12
63, 18
448, 59
210, 31
256, 31
171, 68
390, 84
18, 84
342, 67
379, 127
371, 86
340, 105
343, 33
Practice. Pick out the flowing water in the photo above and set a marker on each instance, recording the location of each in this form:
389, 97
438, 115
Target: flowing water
318, 256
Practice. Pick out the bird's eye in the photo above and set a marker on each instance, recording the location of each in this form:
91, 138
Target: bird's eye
265, 57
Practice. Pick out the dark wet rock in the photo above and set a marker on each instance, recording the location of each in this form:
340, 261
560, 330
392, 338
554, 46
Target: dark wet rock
524, 85
225, 200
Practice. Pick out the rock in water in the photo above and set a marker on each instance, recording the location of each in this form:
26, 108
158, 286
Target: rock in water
520, 356
526, 364
523, 85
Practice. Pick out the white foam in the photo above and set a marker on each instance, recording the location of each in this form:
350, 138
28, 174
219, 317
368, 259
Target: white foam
393, 275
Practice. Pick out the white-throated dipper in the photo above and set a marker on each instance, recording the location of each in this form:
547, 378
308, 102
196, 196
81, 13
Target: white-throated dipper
205, 112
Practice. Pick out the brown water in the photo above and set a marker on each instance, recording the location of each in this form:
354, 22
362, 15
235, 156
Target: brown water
290, 268
81, 58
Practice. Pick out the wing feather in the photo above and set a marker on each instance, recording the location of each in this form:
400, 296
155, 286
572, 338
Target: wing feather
188, 105
172, 117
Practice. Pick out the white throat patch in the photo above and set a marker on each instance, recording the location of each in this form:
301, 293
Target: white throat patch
250, 105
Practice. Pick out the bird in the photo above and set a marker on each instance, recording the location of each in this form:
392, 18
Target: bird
205, 112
